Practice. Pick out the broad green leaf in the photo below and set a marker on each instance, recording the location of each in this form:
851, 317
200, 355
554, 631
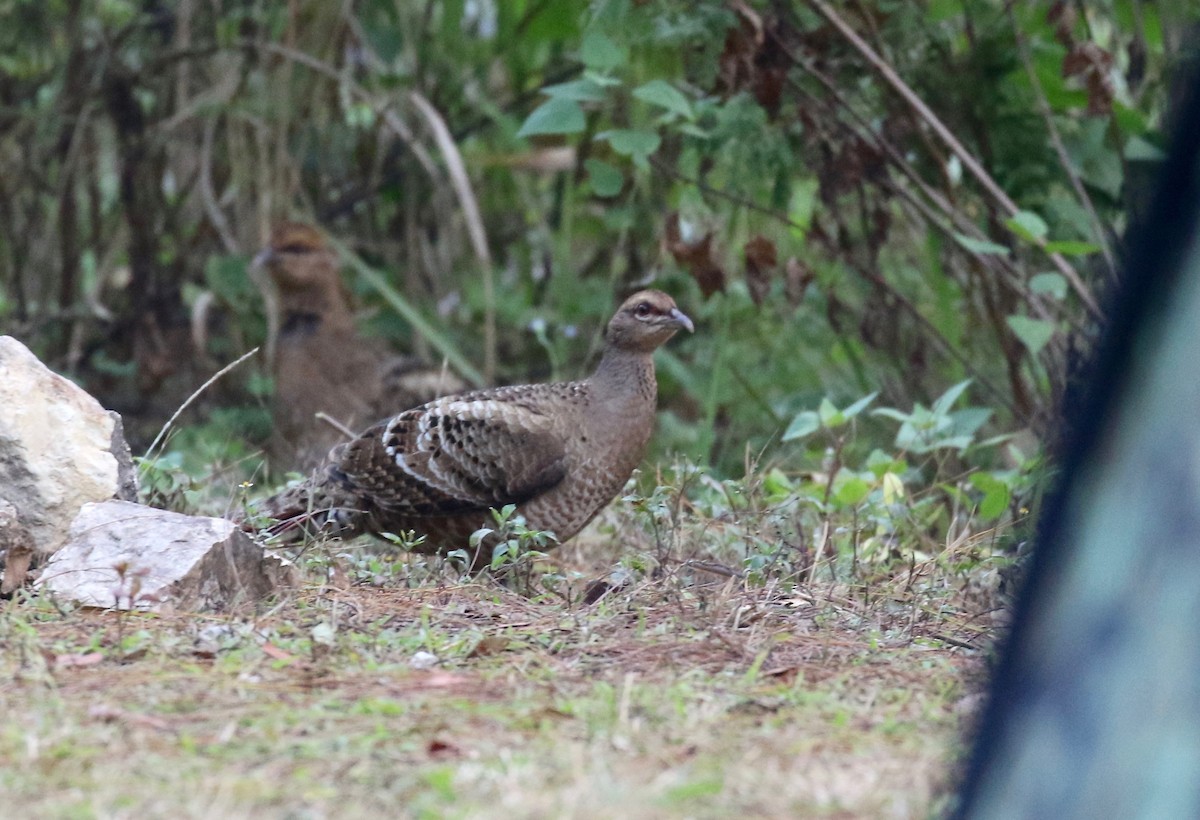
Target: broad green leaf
996, 495
632, 143
860, 405
804, 424
967, 422
602, 80
605, 180
1049, 283
947, 399
1071, 248
1033, 333
1027, 225
664, 95
880, 463
1138, 149
600, 53
851, 491
584, 90
556, 115
982, 246
804, 202
777, 485
829, 414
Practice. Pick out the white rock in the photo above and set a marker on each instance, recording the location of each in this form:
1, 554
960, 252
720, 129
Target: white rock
59, 449
129, 556
423, 660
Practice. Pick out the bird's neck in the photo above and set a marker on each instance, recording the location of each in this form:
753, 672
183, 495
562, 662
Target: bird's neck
626, 374
306, 312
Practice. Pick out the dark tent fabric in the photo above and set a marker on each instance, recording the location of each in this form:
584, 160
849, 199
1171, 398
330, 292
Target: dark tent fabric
1095, 704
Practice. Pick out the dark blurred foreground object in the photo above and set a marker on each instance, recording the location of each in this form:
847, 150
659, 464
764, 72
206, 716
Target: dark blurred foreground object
560, 452
1095, 707
322, 363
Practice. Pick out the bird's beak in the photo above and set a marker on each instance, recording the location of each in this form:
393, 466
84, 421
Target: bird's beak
262, 259
680, 318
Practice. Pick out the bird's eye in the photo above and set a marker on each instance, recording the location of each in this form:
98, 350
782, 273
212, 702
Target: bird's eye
643, 310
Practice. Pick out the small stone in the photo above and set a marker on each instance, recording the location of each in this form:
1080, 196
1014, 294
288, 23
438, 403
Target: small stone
423, 660
129, 556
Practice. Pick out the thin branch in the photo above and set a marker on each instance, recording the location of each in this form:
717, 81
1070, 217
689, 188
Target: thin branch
174, 416
968, 160
208, 195
1061, 149
475, 230
949, 349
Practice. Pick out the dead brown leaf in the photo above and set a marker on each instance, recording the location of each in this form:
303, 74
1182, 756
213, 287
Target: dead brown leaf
273, 651
797, 277
697, 257
71, 660
761, 258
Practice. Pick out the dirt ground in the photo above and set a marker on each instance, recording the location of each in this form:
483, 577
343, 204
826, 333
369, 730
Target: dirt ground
465, 700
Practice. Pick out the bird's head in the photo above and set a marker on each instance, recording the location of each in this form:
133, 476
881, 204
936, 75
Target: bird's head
645, 321
297, 258
298, 273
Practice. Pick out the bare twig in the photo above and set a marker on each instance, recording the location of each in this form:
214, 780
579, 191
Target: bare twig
174, 416
215, 216
968, 160
946, 346
475, 230
336, 425
1059, 148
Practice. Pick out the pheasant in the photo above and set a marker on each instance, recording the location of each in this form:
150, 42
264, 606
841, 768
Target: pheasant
559, 452
322, 363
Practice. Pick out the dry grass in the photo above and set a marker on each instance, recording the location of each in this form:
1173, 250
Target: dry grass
662, 700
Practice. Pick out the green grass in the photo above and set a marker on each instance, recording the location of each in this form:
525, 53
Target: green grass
664, 700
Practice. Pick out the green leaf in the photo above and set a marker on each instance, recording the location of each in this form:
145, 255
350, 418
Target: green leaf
996, 495
1049, 283
1033, 333
605, 180
632, 143
1138, 149
858, 406
851, 491
664, 95
829, 414
1027, 225
600, 53
556, 115
584, 90
804, 424
967, 422
946, 400
1071, 248
776, 484
982, 246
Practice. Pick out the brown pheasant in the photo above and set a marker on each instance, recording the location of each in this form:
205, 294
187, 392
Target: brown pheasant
322, 363
560, 452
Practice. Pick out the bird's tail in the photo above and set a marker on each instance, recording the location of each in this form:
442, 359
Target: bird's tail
319, 506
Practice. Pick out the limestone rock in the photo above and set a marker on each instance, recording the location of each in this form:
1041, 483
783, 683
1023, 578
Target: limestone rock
59, 449
130, 556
